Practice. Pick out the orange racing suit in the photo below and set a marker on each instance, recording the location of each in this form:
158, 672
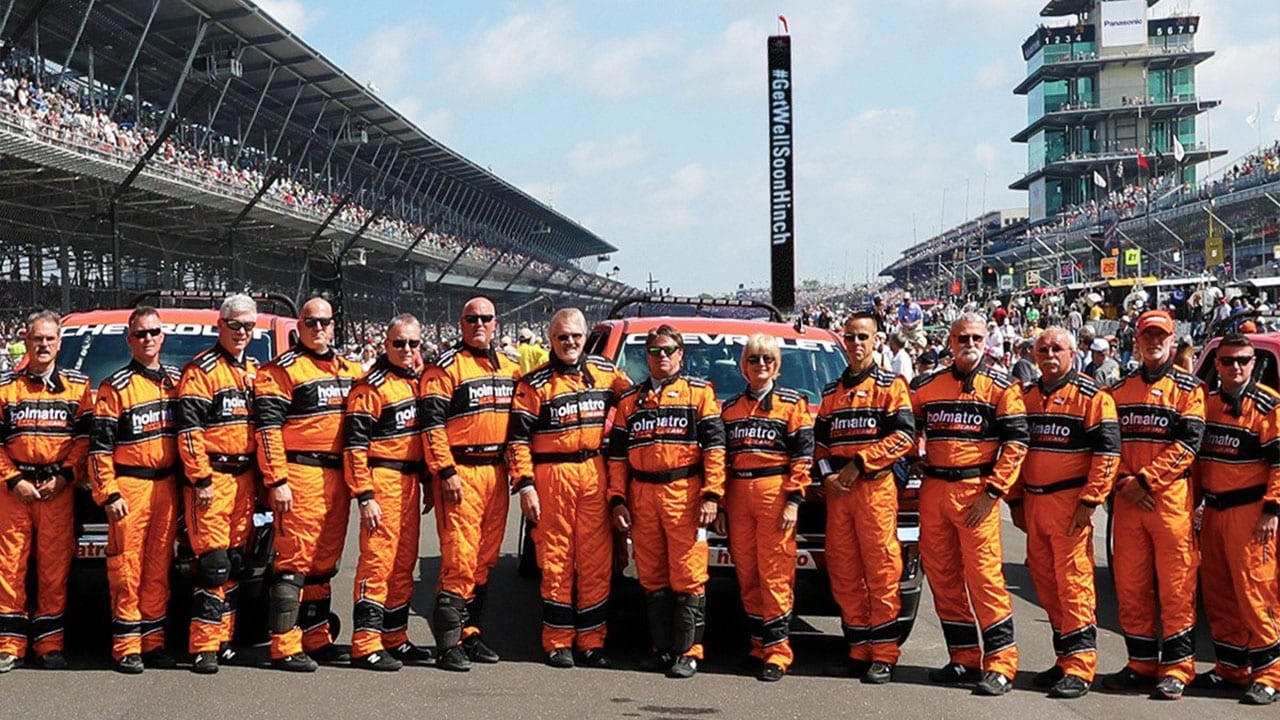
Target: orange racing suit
297, 407
216, 444
865, 419
1161, 423
1239, 473
44, 434
554, 438
975, 430
465, 406
1071, 461
665, 458
133, 454
384, 464
769, 452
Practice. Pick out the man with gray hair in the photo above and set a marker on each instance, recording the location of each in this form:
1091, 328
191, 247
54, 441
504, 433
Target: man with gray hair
553, 441
217, 446
45, 414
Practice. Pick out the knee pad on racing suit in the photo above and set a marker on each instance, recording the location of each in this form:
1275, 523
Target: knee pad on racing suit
475, 606
313, 613
661, 605
213, 569
450, 615
236, 557
690, 622
286, 592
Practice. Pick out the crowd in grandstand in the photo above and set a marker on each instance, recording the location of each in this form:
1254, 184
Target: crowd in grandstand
64, 113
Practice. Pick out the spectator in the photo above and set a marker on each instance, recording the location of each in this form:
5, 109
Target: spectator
899, 359
1102, 367
1024, 369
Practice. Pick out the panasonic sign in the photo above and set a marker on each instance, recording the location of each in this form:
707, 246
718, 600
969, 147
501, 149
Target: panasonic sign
1124, 22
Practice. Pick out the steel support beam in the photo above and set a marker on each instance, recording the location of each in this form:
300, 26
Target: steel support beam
27, 21
253, 118
284, 126
75, 43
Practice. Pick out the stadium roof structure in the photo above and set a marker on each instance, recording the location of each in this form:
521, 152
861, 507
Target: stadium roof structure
285, 87
1058, 8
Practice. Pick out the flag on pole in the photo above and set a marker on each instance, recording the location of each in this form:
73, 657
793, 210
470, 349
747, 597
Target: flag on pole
1142, 161
1179, 152
1099, 180
1277, 116
1252, 120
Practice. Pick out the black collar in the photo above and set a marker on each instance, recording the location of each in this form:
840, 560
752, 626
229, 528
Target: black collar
966, 378
1235, 403
384, 363
326, 355
1047, 390
655, 386
159, 374
1159, 373
578, 368
487, 352
53, 383
850, 380
765, 399
235, 361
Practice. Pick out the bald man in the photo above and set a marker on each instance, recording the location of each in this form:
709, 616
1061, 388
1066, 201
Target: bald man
465, 400
298, 403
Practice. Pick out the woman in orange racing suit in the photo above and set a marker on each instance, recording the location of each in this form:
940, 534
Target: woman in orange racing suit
769, 448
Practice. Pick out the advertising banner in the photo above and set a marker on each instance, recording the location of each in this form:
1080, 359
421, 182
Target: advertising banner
1124, 22
781, 200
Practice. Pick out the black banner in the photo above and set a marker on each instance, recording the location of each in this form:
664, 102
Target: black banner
781, 202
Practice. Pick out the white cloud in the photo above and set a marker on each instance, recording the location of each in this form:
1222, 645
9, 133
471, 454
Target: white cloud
987, 156
994, 76
597, 156
513, 55
293, 14
387, 57
623, 67
735, 64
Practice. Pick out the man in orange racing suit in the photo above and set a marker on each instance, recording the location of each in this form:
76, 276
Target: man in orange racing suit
554, 438
666, 463
45, 414
465, 401
384, 475
769, 436
864, 425
1071, 463
975, 430
215, 442
1239, 472
297, 407
1161, 412
133, 468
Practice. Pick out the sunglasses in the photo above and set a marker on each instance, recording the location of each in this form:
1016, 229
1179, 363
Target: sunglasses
962, 339
400, 343
150, 332
480, 319
761, 359
566, 337
857, 337
1050, 349
238, 325
657, 350
317, 322
1237, 360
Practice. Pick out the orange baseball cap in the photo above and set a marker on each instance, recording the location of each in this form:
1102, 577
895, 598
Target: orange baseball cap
1156, 319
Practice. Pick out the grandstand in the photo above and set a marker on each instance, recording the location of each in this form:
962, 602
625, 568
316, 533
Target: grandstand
1113, 161
199, 144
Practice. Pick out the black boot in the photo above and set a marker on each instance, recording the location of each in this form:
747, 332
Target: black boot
661, 605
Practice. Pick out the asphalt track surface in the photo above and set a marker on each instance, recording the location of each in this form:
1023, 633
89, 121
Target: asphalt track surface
523, 687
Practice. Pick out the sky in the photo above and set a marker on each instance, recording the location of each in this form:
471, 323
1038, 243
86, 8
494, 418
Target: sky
646, 120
